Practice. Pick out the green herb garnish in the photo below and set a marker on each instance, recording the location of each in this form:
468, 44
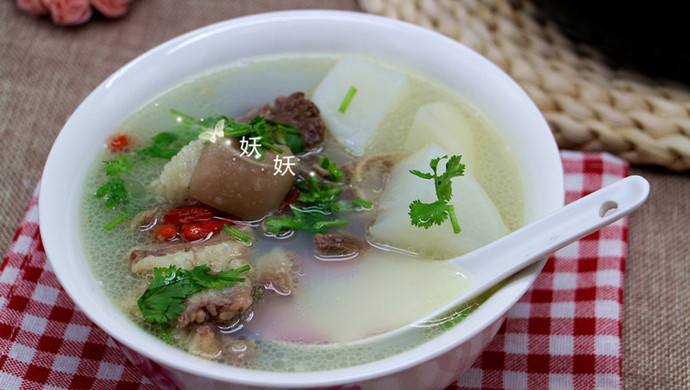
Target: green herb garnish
362, 203
348, 98
267, 133
113, 192
334, 173
113, 168
116, 221
167, 144
163, 301
316, 207
287, 135
426, 214
237, 234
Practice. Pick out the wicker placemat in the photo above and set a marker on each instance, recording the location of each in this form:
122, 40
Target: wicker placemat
588, 105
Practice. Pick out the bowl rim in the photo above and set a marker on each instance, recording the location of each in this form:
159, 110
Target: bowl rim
156, 350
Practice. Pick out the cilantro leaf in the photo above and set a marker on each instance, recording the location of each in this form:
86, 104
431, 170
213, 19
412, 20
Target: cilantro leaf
218, 281
423, 175
114, 192
276, 225
314, 193
454, 168
167, 144
163, 301
427, 214
113, 168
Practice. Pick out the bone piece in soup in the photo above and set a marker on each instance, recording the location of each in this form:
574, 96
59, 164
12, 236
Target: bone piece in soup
476, 213
239, 184
367, 176
378, 89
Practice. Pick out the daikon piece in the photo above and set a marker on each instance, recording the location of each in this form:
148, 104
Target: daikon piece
443, 124
479, 220
355, 96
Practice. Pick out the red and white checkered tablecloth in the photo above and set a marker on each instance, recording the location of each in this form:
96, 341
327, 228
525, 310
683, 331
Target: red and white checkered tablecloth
565, 333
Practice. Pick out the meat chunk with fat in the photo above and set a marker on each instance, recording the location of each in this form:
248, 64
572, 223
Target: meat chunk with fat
220, 306
240, 185
219, 253
207, 342
339, 245
277, 271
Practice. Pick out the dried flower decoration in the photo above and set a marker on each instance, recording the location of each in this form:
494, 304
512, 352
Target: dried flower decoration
73, 12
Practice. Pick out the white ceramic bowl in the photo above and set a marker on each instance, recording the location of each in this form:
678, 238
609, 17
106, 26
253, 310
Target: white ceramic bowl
431, 365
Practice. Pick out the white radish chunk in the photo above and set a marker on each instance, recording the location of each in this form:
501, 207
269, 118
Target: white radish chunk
476, 213
378, 89
443, 124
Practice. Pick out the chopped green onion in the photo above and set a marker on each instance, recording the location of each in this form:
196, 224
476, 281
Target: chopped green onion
333, 172
238, 234
327, 224
183, 115
362, 203
116, 221
348, 98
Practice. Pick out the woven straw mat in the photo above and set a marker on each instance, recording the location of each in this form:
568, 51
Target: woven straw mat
589, 105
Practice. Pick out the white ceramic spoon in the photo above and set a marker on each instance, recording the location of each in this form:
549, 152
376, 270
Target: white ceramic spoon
494, 262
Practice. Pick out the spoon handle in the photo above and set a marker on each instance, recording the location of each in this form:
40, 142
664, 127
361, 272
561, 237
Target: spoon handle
502, 258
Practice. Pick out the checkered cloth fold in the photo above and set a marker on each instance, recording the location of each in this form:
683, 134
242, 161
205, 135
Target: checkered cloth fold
565, 332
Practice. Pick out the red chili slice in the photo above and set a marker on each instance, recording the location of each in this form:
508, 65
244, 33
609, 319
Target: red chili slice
188, 214
201, 230
166, 233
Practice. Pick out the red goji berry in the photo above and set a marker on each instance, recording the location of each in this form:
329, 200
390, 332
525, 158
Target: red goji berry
188, 214
201, 230
119, 143
166, 233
